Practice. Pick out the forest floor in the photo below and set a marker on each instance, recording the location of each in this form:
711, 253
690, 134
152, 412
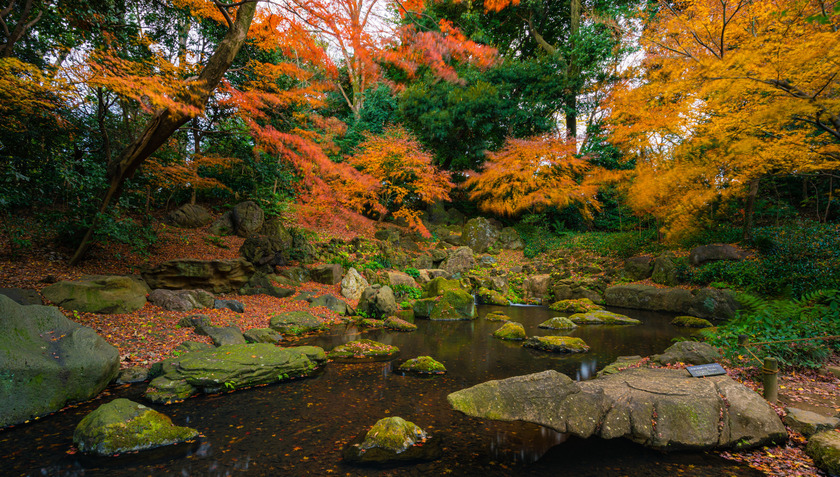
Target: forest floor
151, 333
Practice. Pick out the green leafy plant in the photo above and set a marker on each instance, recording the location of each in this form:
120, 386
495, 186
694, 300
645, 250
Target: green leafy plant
412, 272
784, 329
230, 385
406, 292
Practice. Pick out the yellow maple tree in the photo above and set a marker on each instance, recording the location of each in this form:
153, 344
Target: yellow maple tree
728, 92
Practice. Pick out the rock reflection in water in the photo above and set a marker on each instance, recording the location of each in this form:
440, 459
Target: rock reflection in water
524, 446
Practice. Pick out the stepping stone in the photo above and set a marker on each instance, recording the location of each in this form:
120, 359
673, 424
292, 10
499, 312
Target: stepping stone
809, 423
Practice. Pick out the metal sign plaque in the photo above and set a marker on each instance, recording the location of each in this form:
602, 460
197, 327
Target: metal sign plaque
703, 370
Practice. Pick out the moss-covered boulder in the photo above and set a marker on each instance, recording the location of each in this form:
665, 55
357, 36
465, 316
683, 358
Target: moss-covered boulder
262, 335
438, 286
557, 344
496, 316
510, 331
423, 365
491, 297
479, 234
558, 323
371, 323
580, 305
392, 441
396, 324
824, 448
47, 361
423, 308
454, 305
124, 426
296, 323
691, 322
407, 315
364, 349
229, 368
602, 317
98, 294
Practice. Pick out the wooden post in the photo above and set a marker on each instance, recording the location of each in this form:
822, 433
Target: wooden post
770, 375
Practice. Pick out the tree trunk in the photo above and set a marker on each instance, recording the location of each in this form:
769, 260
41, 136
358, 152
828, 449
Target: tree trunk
165, 122
573, 73
750, 209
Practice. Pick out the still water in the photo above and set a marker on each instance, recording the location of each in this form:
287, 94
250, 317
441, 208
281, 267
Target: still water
300, 427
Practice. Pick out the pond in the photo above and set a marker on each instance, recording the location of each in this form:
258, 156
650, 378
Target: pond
300, 427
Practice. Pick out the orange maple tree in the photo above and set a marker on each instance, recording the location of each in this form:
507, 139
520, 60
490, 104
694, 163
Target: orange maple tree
404, 174
528, 175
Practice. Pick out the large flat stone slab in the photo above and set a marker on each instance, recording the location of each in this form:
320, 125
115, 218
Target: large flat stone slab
230, 367
662, 409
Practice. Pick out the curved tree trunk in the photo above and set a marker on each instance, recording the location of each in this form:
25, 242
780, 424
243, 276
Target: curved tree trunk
165, 122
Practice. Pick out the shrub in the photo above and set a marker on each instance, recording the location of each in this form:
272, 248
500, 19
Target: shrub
781, 321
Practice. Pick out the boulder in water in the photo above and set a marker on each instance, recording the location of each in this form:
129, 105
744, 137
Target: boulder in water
364, 349
602, 317
510, 331
230, 367
423, 365
392, 441
557, 344
124, 426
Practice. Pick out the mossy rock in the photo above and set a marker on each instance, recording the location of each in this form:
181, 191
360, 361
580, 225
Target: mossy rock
691, 322
510, 331
392, 441
364, 349
296, 323
423, 308
492, 297
230, 367
396, 324
454, 305
406, 315
602, 317
557, 344
438, 286
371, 323
262, 335
824, 448
496, 316
580, 305
423, 365
558, 323
124, 426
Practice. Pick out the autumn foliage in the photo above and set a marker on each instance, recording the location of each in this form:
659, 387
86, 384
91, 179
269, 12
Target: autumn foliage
529, 175
404, 174
729, 92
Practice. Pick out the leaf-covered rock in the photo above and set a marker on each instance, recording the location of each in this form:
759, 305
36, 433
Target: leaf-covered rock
364, 348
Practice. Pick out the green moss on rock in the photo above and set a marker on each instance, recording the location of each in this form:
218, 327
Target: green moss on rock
394, 434
125, 426
824, 448
691, 322
558, 323
602, 317
496, 316
296, 323
396, 324
510, 331
364, 348
557, 344
492, 297
454, 305
230, 367
580, 305
423, 365
371, 323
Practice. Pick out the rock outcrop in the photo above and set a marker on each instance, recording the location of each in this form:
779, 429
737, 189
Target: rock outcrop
215, 276
662, 409
47, 361
189, 216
